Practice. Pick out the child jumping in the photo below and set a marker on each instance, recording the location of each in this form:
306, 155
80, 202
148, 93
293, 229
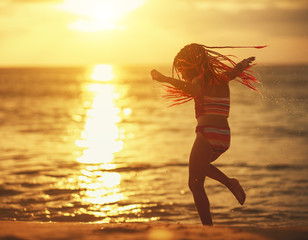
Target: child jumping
203, 76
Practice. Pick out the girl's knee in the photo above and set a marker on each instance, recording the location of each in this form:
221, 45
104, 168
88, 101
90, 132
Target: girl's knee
195, 184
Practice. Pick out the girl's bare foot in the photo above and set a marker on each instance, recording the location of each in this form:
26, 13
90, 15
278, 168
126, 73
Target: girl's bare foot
237, 190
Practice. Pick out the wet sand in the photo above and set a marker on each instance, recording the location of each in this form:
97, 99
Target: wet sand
13, 230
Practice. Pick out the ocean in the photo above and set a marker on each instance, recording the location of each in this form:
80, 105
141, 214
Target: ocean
100, 144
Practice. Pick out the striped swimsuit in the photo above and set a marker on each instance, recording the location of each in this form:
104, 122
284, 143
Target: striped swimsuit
212, 105
219, 138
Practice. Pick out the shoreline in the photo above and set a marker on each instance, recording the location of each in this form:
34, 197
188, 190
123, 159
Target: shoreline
19, 230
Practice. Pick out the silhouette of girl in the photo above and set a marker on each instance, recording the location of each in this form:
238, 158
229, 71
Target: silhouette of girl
205, 79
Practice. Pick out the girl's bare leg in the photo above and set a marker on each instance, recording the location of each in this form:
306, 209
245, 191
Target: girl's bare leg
199, 167
217, 175
199, 164
231, 183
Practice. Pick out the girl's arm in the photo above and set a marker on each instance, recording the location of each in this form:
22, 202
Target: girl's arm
239, 68
192, 88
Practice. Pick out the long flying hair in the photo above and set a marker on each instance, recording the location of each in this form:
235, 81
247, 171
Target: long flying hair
211, 63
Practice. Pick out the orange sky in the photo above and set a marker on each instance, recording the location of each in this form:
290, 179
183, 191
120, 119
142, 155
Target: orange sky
82, 32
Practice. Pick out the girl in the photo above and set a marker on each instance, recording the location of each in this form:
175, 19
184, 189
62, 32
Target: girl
206, 80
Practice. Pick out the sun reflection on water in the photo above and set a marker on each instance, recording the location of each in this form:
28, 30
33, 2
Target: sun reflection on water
100, 137
102, 72
100, 140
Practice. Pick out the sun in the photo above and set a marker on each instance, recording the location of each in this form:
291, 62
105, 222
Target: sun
99, 15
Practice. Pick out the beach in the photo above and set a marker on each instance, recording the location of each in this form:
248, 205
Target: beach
94, 146
10, 230
82, 147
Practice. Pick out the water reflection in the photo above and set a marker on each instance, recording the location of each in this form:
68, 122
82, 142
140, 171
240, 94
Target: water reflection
100, 139
102, 72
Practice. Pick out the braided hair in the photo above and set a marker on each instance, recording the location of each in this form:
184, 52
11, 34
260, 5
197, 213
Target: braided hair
196, 56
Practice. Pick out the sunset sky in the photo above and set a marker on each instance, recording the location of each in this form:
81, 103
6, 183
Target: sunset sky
82, 32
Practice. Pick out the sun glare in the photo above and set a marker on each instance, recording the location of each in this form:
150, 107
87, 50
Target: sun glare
99, 140
99, 15
100, 137
102, 72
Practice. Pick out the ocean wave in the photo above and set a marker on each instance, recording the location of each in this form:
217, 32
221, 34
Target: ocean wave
6, 192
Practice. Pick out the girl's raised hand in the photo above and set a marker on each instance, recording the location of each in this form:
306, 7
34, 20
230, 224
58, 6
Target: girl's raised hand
157, 76
242, 65
246, 62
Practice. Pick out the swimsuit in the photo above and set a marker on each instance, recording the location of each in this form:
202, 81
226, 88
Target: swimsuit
218, 137
212, 105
